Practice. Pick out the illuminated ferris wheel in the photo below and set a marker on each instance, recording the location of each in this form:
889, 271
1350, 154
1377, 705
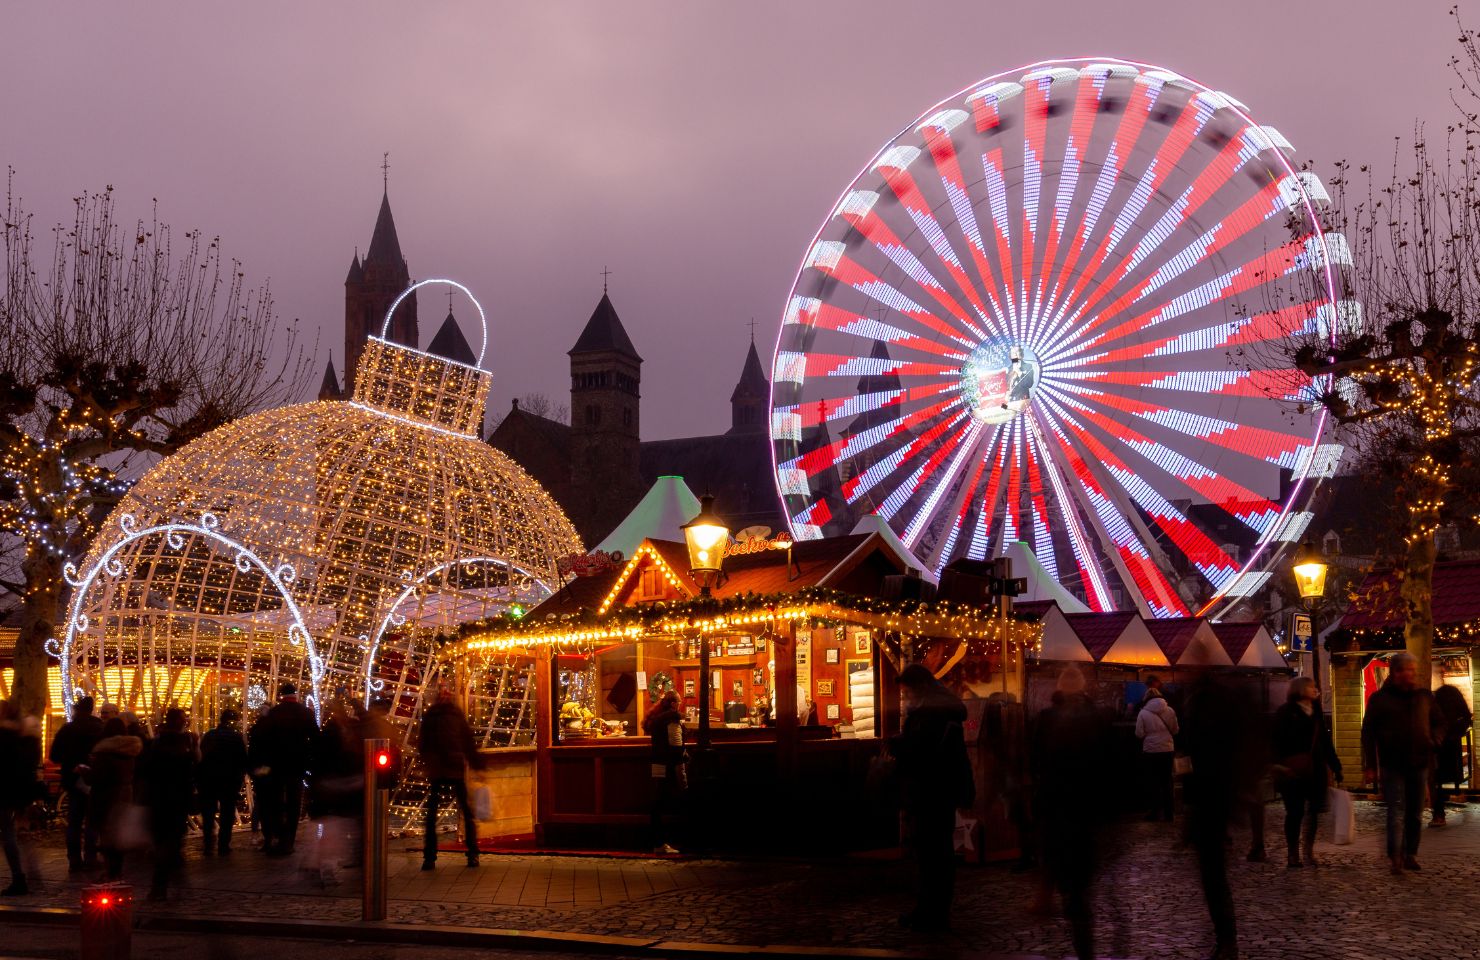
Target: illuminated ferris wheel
1047, 311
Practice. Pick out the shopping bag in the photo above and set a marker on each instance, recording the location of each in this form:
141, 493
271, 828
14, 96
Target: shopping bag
129, 829
1181, 765
965, 829
1343, 815
482, 803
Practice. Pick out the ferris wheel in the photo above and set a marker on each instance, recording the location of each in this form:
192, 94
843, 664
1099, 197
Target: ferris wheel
1049, 311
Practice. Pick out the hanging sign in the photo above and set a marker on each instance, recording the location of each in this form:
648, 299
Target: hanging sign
741, 547
589, 564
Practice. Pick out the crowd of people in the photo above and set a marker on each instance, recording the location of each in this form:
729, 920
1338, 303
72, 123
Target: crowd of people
126, 789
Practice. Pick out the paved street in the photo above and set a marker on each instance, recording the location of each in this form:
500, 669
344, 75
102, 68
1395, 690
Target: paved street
1149, 900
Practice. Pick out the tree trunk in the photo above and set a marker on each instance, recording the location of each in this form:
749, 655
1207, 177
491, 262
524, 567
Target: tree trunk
39, 617
1417, 593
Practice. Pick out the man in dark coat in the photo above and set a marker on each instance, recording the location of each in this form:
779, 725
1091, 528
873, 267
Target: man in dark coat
169, 774
20, 756
1398, 736
282, 748
69, 750
1224, 740
223, 766
1073, 775
936, 774
447, 748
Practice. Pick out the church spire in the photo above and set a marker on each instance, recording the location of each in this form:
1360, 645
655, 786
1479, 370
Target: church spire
329, 389
385, 246
751, 396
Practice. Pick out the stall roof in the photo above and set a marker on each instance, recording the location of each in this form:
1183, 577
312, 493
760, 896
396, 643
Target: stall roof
1189, 641
1377, 605
1248, 644
1060, 641
659, 515
1120, 637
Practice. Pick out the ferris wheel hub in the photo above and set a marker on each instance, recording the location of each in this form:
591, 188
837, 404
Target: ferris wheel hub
998, 379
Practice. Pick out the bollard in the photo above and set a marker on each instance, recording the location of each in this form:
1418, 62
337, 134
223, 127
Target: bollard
379, 773
107, 921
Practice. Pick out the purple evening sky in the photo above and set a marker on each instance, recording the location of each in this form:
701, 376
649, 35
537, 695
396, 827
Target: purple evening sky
692, 147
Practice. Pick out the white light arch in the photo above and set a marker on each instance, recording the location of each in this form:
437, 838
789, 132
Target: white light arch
392, 618
482, 317
281, 577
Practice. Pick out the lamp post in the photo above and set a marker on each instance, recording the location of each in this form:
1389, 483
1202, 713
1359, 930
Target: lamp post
1310, 578
706, 536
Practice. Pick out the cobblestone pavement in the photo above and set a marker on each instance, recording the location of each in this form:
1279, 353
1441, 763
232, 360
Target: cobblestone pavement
1149, 901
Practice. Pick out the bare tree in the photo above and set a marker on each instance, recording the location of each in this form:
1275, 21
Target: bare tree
116, 351
1397, 374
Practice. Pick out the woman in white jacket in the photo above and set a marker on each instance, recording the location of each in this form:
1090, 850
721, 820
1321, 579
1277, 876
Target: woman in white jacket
1156, 726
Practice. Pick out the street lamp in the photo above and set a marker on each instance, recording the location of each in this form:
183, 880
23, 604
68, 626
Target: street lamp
706, 536
1310, 578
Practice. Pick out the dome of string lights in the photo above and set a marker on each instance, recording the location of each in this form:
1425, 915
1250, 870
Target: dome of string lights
332, 544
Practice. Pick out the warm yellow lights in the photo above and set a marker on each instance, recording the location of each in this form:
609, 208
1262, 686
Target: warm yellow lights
398, 521
706, 536
1310, 573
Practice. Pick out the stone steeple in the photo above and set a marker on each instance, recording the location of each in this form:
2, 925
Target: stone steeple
751, 397
370, 288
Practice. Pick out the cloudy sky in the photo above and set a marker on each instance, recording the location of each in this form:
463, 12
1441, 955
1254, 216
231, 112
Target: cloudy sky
691, 147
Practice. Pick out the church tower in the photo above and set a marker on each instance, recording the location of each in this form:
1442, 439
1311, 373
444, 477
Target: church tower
371, 287
751, 397
605, 381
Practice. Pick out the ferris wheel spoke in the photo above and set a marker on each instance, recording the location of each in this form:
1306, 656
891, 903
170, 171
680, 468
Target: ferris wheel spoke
1131, 487
809, 313
939, 484
896, 429
966, 498
1207, 296
1043, 547
1138, 572
1215, 340
1277, 198
916, 459
857, 209
948, 168
1080, 546
1257, 512
829, 259
894, 168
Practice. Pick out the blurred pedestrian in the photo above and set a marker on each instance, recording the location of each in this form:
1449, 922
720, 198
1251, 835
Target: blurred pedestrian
69, 750
1449, 766
1156, 727
1071, 747
169, 778
1221, 731
222, 769
20, 756
114, 815
1399, 731
1304, 760
336, 791
664, 727
930, 751
281, 750
447, 748
1153, 688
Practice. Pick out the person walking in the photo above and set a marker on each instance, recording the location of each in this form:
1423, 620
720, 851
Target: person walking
1221, 736
70, 748
219, 776
1398, 736
282, 746
1450, 762
447, 748
1156, 727
1071, 746
169, 775
1304, 760
664, 727
930, 751
20, 756
110, 772
336, 790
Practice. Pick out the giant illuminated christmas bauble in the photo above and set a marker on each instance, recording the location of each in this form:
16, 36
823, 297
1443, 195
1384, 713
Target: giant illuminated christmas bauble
332, 544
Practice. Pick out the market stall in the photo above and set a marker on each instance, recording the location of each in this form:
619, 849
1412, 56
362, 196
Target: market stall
803, 651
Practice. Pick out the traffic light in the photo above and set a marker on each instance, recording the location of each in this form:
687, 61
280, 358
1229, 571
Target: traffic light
383, 763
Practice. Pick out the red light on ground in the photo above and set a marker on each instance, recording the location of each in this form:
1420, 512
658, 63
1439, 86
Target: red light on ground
104, 901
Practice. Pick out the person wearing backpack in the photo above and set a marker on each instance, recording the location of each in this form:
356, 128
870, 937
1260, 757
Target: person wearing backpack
930, 751
1156, 727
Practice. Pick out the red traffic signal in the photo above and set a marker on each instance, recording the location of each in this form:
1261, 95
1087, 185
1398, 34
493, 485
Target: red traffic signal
381, 760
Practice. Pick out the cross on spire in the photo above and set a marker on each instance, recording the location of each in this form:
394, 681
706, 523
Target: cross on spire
605, 273
385, 171
450, 291
752, 329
